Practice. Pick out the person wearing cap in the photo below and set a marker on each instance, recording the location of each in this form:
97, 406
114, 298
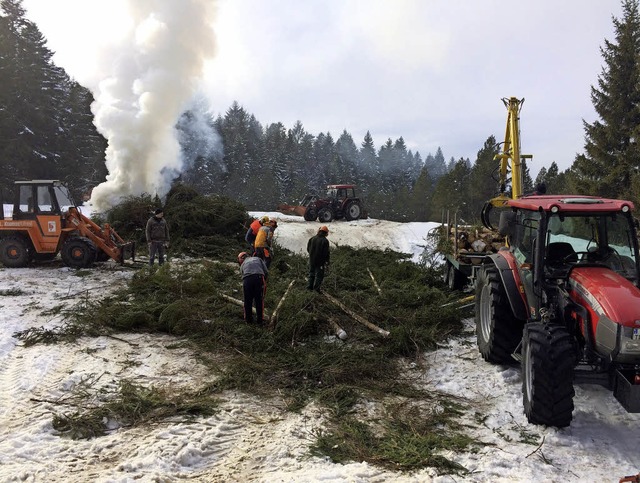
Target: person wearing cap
157, 233
264, 241
318, 249
254, 286
252, 232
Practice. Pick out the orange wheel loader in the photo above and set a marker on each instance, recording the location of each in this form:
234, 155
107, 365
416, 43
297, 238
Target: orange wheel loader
45, 221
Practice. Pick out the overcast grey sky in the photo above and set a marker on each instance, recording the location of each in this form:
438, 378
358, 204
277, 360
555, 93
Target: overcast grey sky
431, 71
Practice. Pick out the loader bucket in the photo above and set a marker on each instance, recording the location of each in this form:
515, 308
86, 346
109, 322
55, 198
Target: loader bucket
296, 210
128, 250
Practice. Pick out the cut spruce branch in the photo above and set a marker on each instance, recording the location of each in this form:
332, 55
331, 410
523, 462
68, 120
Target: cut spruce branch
374, 282
274, 317
340, 332
241, 304
362, 320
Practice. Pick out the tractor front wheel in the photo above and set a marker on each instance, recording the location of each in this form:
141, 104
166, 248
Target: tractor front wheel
498, 331
310, 214
548, 361
14, 252
325, 215
78, 252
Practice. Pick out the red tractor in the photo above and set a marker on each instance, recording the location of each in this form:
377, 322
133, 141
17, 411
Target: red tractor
563, 298
340, 202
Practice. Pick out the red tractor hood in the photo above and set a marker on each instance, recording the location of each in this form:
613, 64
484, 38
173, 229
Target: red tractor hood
606, 293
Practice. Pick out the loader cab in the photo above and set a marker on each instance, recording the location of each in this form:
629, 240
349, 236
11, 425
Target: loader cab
40, 197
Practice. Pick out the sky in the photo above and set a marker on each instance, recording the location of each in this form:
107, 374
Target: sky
431, 71
256, 440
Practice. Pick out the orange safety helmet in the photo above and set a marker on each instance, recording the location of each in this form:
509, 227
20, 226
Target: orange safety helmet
324, 229
242, 256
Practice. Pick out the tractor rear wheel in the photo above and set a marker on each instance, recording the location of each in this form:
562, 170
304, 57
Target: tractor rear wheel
14, 252
352, 211
498, 331
78, 252
548, 361
325, 215
310, 214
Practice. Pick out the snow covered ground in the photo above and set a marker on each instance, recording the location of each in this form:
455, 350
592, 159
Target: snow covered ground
249, 440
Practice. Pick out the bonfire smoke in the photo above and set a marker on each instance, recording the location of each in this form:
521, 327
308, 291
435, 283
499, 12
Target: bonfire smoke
155, 74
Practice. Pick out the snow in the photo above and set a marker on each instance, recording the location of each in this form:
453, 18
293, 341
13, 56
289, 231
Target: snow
250, 440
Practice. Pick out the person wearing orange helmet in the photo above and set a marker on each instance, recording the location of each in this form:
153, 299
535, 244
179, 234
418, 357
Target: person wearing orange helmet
254, 286
318, 249
252, 232
264, 241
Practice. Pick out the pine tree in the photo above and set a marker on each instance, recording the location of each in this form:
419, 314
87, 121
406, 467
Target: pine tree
483, 184
451, 193
46, 125
611, 148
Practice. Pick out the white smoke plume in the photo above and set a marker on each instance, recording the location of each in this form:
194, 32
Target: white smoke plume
153, 76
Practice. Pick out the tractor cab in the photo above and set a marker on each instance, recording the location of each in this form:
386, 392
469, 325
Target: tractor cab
550, 236
341, 192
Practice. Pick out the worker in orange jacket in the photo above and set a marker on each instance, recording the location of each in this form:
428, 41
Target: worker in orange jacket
252, 232
264, 242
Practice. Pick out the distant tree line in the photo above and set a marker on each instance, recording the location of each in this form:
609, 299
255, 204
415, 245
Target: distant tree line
47, 131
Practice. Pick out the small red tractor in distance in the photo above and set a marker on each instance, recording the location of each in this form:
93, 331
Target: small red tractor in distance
563, 298
45, 221
339, 202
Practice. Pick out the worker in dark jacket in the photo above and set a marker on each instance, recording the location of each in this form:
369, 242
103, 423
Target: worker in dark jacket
254, 285
318, 249
157, 232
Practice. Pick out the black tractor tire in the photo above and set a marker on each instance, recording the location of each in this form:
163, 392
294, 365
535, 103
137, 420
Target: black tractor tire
548, 361
325, 215
498, 332
78, 252
310, 214
14, 252
456, 280
352, 211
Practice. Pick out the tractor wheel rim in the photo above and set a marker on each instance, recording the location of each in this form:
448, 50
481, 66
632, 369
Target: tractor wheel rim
528, 382
485, 313
77, 253
13, 252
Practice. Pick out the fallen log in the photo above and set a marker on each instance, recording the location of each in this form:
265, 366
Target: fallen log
274, 317
241, 304
340, 332
362, 320
374, 281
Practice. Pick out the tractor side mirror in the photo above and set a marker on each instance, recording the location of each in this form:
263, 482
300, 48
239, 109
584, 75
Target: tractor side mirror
507, 224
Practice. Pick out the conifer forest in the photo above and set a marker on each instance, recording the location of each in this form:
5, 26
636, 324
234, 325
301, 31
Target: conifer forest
47, 132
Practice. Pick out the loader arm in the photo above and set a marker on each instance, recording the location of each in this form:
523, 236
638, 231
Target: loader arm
106, 239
